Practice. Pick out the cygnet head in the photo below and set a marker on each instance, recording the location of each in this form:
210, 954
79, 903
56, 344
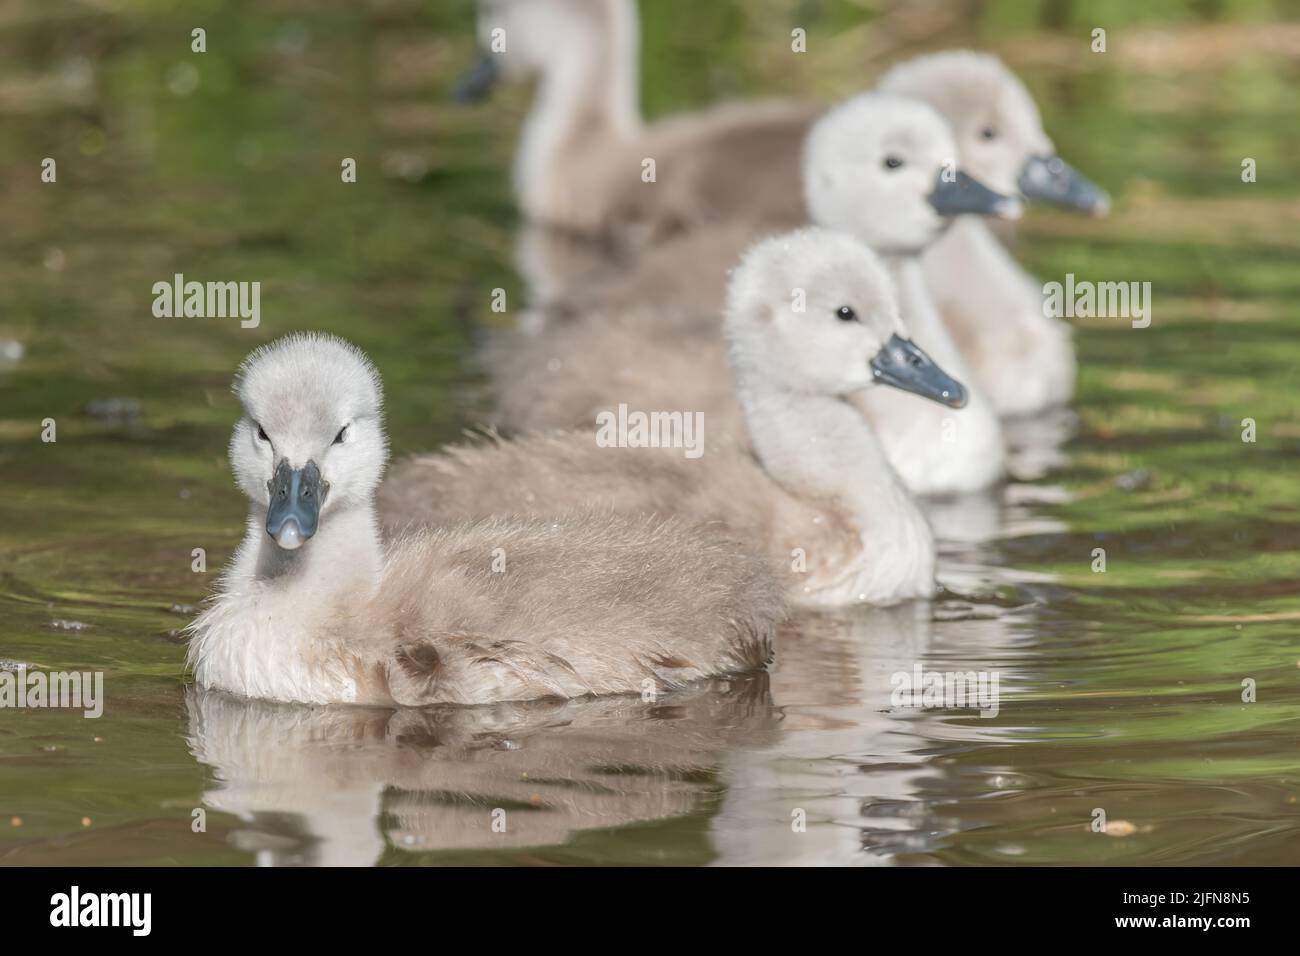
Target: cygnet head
998, 130
884, 168
311, 440
814, 312
519, 39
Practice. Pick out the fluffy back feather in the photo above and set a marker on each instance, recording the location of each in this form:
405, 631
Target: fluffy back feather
582, 603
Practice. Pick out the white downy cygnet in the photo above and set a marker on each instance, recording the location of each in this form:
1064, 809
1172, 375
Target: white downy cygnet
1022, 359
313, 608
812, 322
581, 164
879, 167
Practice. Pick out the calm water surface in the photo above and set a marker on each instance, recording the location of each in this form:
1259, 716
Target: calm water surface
1119, 690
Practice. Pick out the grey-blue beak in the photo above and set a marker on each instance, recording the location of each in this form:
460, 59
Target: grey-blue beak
477, 82
956, 194
296, 497
1051, 179
901, 364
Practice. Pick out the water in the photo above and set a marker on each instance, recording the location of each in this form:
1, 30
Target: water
1119, 690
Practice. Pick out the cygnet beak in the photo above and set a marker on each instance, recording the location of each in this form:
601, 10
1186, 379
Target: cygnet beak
956, 194
1051, 179
477, 82
296, 498
901, 364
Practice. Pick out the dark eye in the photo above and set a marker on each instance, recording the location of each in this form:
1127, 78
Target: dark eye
988, 132
846, 314
261, 433
338, 439
892, 162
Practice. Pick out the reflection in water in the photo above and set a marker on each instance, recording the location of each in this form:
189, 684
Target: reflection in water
860, 769
1035, 446
338, 785
817, 738
832, 683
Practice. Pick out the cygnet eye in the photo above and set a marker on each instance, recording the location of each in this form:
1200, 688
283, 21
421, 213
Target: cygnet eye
988, 132
338, 439
892, 162
261, 434
846, 314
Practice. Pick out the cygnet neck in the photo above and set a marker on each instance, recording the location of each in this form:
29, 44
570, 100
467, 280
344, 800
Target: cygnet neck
344, 551
820, 448
585, 100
